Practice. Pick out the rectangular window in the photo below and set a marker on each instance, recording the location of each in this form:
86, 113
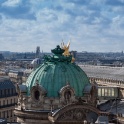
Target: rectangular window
8, 91
7, 114
106, 92
109, 92
112, 91
99, 91
102, 91
11, 101
3, 114
11, 113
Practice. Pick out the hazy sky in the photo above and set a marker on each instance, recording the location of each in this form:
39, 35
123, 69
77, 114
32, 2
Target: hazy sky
91, 25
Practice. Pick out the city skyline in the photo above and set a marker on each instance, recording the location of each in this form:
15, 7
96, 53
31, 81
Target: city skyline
90, 25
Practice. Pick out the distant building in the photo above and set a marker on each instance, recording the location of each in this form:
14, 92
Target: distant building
1, 57
74, 53
8, 99
21, 56
36, 62
3, 72
16, 76
37, 52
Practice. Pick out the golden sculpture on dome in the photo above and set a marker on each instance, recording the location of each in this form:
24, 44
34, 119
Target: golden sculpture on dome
66, 48
66, 52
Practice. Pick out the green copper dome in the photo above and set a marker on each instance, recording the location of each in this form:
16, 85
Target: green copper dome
56, 72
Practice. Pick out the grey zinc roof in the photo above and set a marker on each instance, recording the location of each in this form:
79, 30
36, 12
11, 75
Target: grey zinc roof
87, 89
115, 73
5, 83
23, 88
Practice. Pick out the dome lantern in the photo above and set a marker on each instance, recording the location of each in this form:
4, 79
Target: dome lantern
58, 50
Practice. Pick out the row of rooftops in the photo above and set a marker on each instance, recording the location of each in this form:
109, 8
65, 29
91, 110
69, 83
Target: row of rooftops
19, 71
105, 72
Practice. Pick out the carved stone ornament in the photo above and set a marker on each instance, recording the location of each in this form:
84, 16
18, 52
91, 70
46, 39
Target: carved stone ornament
73, 115
93, 95
37, 95
67, 94
79, 115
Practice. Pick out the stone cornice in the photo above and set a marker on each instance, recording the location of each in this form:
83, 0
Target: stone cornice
43, 115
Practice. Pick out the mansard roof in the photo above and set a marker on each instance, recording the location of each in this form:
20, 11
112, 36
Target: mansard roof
5, 83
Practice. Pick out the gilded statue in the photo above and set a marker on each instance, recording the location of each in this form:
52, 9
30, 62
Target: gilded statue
66, 52
66, 48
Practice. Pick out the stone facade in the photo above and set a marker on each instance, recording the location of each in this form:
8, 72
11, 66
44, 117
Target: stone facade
34, 109
7, 105
8, 99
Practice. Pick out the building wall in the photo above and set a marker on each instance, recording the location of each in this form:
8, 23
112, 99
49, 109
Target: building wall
8, 99
116, 84
15, 77
7, 105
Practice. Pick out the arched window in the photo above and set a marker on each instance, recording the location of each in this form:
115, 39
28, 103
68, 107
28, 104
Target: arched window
67, 95
36, 95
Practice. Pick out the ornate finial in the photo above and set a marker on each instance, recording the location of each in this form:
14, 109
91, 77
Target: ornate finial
58, 51
67, 83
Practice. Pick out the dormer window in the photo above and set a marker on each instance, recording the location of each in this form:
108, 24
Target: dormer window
37, 93
67, 94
